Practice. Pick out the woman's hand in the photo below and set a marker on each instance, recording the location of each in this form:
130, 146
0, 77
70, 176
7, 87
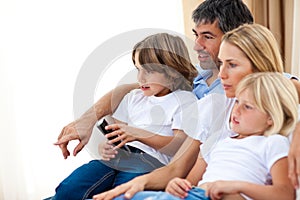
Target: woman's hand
129, 189
179, 187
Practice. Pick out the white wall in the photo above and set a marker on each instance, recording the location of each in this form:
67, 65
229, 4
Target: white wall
43, 45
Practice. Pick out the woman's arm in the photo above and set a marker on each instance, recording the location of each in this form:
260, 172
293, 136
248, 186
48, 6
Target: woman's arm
158, 179
281, 187
294, 157
81, 129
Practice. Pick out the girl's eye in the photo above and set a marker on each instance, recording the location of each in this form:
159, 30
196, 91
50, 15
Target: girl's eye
248, 107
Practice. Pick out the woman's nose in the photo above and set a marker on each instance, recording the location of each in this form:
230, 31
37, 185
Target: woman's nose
222, 72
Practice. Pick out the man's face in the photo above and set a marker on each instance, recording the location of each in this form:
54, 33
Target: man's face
207, 42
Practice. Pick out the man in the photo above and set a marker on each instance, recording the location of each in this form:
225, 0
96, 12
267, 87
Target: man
212, 19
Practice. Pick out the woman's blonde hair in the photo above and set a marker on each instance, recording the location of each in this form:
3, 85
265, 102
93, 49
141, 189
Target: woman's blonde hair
275, 95
259, 45
167, 54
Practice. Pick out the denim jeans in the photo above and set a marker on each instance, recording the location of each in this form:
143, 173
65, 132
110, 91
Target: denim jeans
194, 194
98, 176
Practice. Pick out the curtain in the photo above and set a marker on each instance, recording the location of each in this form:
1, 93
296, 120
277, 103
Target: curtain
277, 15
296, 41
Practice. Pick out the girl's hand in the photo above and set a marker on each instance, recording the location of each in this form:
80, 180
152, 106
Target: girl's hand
123, 132
179, 187
106, 151
216, 189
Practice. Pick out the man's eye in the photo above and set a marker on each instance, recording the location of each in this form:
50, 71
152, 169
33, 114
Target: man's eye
208, 37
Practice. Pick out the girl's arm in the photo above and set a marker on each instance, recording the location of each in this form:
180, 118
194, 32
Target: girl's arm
179, 187
280, 189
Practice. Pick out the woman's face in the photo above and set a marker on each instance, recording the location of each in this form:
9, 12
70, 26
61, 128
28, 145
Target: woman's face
234, 65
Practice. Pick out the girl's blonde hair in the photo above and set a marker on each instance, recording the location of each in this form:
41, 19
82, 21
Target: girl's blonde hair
167, 54
259, 45
275, 95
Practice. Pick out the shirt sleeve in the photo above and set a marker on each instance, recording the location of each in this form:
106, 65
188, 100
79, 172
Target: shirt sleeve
121, 113
277, 148
204, 117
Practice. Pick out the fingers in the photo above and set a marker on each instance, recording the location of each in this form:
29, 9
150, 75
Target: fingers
294, 165
116, 192
107, 152
66, 138
78, 148
66, 135
178, 187
64, 150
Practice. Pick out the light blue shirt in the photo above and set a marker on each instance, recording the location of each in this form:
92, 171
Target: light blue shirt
201, 88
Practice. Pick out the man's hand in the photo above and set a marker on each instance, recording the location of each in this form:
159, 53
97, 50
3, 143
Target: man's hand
81, 130
129, 189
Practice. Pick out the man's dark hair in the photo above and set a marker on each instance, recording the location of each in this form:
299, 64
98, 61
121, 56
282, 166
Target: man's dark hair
230, 14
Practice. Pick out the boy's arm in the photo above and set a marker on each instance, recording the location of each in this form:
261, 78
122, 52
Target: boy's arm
81, 129
165, 144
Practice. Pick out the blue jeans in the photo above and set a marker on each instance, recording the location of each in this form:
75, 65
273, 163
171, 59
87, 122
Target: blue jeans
193, 194
98, 176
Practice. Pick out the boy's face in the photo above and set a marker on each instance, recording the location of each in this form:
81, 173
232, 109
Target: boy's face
152, 83
207, 43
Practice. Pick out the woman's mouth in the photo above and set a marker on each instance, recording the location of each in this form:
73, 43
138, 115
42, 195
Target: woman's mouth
226, 87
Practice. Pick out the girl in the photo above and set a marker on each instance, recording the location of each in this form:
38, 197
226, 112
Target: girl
144, 119
265, 104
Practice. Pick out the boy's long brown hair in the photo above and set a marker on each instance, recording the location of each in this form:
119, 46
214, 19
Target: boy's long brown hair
167, 54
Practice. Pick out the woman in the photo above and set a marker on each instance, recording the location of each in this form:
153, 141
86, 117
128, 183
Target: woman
245, 50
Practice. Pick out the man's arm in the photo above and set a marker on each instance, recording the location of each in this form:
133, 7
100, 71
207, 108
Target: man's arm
81, 129
158, 179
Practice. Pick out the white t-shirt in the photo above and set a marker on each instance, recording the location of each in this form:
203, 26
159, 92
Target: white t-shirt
249, 159
207, 119
154, 114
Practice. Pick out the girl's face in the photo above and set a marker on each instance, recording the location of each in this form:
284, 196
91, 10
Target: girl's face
234, 65
151, 82
246, 119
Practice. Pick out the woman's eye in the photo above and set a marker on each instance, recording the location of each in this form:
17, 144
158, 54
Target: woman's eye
232, 65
